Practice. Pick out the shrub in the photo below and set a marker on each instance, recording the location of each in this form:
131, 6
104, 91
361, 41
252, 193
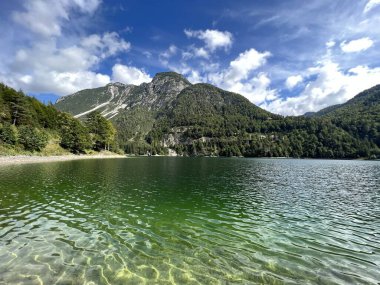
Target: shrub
9, 134
32, 139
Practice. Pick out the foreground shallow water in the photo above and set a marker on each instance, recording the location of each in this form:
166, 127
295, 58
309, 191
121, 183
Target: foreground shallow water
190, 221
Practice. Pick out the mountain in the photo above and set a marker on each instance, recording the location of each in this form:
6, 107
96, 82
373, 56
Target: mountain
366, 102
359, 116
169, 99
323, 111
213, 110
171, 115
112, 98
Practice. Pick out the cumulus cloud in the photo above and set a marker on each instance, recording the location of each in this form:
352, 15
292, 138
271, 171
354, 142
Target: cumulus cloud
244, 64
68, 82
48, 55
293, 81
213, 39
62, 83
239, 77
105, 45
331, 86
356, 45
257, 89
371, 4
49, 63
50, 68
129, 74
45, 19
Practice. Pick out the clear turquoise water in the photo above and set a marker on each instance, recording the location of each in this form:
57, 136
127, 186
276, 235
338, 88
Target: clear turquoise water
190, 221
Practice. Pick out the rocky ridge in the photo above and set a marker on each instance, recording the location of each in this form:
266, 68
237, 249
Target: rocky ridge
115, 97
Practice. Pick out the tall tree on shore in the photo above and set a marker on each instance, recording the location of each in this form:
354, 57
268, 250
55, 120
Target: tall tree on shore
102, 130
74, 135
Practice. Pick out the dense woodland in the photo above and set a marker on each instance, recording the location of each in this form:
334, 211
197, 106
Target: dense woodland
27, 125
203, 120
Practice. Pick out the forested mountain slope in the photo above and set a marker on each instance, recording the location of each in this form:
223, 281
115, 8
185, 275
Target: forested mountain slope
359, 116
170, 114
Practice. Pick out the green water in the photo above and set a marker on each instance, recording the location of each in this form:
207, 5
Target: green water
190, 221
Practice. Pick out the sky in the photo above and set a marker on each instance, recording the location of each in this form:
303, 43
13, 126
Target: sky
288, 57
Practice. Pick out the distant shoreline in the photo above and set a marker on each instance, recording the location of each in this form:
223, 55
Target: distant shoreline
27, 159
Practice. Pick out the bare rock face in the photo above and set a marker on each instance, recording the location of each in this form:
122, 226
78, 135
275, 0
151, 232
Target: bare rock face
115, 97
166, 86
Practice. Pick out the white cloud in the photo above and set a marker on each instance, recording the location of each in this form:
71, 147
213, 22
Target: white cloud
44, 18
195, 77
330, 44
62, 83
171, 51
213, 39
201, 52
69, 82
47, 54
194, 52
54, 59
88, 6
331, 86
356, 45
257, 89
371, 4
129, 74
45, 67
166, 55
245, 63
105, 45
293, 81
238, 77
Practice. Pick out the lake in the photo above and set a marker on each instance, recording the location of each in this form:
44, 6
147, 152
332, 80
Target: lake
162, 220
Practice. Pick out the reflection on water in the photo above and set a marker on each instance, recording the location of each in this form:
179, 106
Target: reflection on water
190, 221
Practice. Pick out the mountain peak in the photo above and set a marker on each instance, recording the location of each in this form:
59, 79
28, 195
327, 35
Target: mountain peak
169, 75
119, 84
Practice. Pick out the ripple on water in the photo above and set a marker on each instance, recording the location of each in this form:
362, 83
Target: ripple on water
190, 221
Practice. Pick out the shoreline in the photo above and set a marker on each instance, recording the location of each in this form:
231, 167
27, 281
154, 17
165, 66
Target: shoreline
27, 159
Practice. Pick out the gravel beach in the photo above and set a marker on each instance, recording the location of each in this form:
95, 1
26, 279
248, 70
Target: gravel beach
23, 159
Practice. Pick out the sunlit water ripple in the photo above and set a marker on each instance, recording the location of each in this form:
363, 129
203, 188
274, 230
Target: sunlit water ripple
190, 221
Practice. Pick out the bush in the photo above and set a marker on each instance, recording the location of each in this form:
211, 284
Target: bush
8, 134
32, 139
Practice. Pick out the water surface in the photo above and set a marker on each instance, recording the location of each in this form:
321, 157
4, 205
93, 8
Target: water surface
190, 221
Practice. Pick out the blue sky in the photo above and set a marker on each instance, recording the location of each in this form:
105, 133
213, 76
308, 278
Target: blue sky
289, 57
